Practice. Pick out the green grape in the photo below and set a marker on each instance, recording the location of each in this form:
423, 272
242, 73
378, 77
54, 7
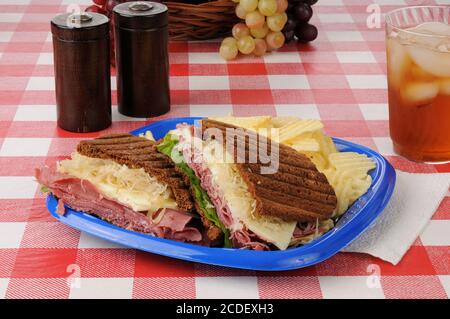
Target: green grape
235, 1
277, 21
282, 5
246, 44
260, 33
260, 47
228, 50
240, 30
229, 40
254, 19
249, 5
240, 12
274, 40
267, 7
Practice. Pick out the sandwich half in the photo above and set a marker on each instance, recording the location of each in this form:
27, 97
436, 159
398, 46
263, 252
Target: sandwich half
124, 180
259, 211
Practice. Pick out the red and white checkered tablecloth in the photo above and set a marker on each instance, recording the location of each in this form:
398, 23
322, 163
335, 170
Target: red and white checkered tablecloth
340, 78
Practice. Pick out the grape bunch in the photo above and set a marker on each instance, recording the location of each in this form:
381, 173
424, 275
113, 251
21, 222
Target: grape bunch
260, 30
299, 13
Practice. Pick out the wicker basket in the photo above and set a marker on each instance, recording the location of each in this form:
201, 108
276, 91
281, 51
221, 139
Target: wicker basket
202, 21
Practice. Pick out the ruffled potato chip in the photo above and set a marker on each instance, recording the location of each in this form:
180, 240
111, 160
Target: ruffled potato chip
252, 123
294, 129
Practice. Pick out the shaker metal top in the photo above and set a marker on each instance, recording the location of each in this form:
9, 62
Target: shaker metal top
80, 26
141, 15
80, 17
140, 6
79, 20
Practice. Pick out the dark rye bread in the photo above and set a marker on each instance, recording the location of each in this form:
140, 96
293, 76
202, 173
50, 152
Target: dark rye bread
296, 191
139, 152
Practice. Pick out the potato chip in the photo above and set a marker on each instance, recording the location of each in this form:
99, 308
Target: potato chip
356, 163
306, 145
348, 177
326, 143
253, 122
341, 186
294, 129
280, 121
325, 147
318, 159
360, 187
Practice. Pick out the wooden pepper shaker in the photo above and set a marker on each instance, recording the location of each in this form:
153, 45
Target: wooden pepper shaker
82, 71
141, 37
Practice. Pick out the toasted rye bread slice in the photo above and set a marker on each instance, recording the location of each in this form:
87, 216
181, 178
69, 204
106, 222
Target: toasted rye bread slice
139, 152
296, 191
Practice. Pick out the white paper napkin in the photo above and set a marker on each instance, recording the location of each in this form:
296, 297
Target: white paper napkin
416, 197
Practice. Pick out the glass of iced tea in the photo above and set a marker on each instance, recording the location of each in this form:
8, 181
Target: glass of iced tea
418, 72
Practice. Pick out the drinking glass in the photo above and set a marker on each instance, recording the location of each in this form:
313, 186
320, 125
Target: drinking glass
418, 72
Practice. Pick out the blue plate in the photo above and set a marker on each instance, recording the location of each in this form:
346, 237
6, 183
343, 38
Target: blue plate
358, 217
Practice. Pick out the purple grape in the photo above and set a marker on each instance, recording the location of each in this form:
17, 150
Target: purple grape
289, 35
290, 7
303, 12
110, 4
290, 25
310, 2
306, 32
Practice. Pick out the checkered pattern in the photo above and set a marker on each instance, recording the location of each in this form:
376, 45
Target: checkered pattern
340, 79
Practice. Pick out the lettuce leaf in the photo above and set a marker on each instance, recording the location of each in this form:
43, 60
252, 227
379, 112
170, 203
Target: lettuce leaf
201, 197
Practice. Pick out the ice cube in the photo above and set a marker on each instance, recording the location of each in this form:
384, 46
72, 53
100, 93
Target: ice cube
434, 35
432, 28
434, 62
431, 34
428, 45
398, 62
444, 47
419, 74
444, 87
419, 93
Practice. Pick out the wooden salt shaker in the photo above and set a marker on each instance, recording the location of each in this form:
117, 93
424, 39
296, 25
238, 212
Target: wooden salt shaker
142, 61
82, 71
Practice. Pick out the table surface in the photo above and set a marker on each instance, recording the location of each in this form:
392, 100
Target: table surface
340, 78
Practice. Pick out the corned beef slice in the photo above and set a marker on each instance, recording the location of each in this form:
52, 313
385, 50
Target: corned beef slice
83, 196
